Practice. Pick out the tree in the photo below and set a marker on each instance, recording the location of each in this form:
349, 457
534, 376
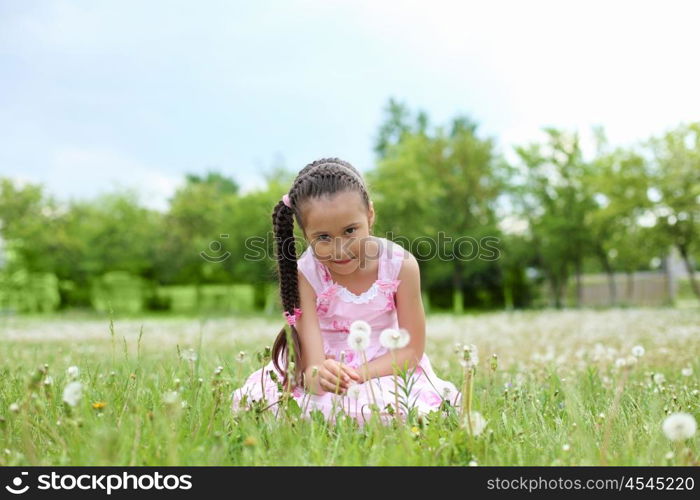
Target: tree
428, 183
619, 182
555, 201
676, 177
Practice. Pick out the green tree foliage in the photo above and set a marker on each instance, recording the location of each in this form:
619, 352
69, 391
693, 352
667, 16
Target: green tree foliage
435, 189
676, 176
555, 199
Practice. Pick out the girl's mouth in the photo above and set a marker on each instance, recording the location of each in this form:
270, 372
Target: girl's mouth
341, 261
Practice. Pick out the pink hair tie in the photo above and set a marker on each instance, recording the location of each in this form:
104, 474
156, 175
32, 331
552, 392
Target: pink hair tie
286, 201
292, 318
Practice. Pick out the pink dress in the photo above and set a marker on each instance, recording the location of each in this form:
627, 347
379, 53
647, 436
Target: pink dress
337, 308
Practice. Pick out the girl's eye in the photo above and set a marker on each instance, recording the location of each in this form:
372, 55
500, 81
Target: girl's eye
352, 229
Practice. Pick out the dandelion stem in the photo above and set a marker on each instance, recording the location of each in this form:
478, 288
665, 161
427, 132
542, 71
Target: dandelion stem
367, 379
396, 382
467, 395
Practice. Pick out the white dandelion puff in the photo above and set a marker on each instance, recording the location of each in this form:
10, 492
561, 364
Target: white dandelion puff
477, 423
404, 337
189, 355
638, 351
659, 378
470, 357
73, 372
358, 338
687, 371
14, 408
471, 353
679, 426
391, 338
171, 397
354, 391
72, 393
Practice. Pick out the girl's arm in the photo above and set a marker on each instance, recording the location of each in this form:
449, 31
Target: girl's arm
409, 308
307, 325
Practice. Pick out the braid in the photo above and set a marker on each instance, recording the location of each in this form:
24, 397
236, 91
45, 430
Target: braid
283, 225
326, 176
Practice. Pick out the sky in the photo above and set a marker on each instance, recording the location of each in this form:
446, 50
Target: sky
96, 96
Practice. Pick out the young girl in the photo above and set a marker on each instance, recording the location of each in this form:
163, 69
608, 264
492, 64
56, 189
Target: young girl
345, 274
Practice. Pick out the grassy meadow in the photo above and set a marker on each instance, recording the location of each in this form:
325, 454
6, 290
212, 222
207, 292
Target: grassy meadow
568, 388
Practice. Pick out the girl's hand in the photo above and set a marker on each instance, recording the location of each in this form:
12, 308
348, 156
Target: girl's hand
332, 374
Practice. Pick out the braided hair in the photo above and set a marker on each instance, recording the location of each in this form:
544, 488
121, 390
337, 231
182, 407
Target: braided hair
320, 178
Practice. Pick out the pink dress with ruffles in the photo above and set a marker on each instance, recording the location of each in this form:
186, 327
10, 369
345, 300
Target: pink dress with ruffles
337, 308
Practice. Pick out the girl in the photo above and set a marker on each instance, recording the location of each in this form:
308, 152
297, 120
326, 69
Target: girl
345, 274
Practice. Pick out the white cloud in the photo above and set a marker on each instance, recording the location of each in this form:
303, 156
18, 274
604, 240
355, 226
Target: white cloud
82, 172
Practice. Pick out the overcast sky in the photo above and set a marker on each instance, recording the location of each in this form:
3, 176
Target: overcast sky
95, 95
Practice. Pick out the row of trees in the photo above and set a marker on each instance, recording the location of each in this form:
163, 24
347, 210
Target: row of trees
618, 211
614, 212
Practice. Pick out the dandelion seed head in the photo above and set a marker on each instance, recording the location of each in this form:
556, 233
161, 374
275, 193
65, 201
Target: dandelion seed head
72, 393
14, 408
358, 338
171, 397
478, 423
687, 371
354, 391
679, 426
73, 372
189, 355
638, 351
391, 338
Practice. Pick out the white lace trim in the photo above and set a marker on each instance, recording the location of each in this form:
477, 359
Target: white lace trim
363, 298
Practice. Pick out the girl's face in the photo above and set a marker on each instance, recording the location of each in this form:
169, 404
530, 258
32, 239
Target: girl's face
337, 228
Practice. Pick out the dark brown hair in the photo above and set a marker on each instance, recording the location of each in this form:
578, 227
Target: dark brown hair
324, 177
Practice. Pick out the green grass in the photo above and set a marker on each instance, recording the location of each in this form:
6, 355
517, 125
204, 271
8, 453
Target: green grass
543, 403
